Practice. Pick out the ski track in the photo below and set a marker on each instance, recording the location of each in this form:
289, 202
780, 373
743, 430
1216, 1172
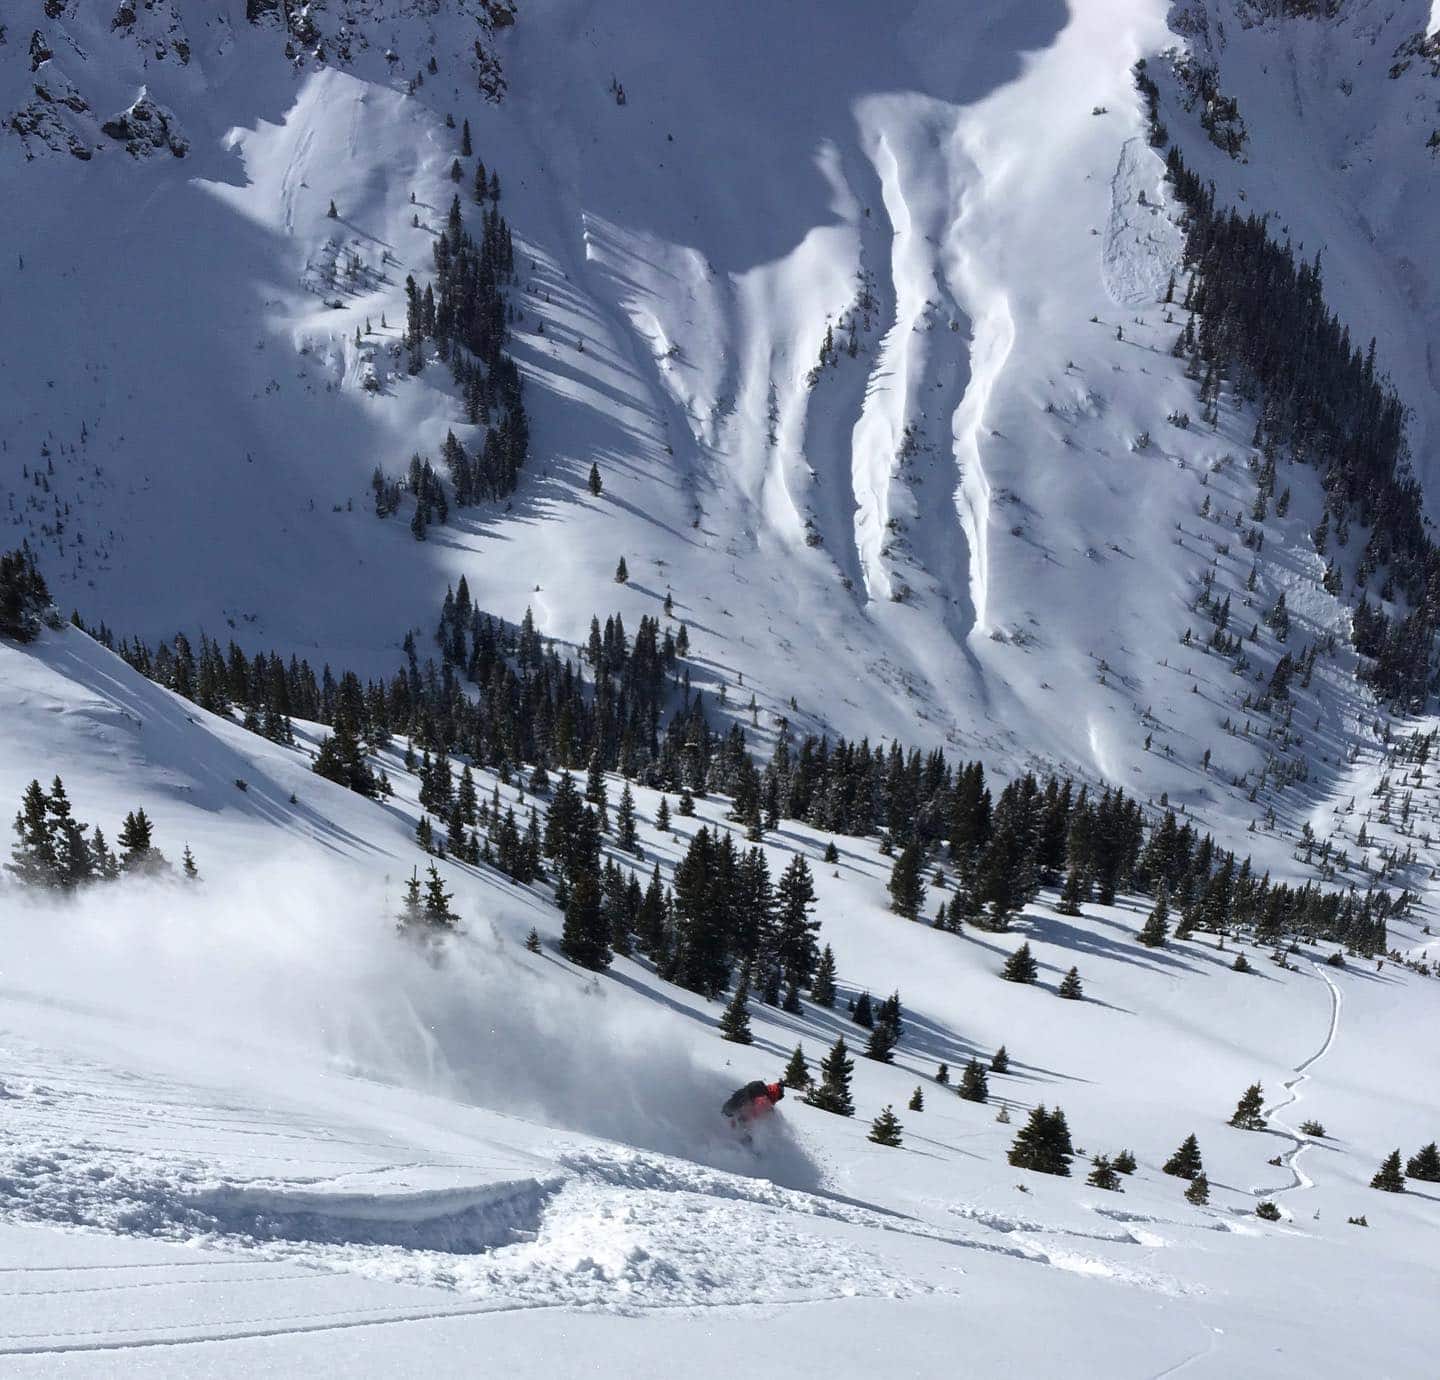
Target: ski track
1291, 1158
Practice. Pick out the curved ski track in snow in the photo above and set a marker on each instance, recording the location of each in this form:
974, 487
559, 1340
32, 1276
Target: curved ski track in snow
1291, 1158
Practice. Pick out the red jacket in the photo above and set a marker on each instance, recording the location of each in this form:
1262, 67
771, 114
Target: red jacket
754, 1099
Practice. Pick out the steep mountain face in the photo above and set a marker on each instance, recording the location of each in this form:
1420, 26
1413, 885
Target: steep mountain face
871, 348
860, 321
1337, 122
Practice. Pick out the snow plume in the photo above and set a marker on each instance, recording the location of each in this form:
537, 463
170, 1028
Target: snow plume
295, 962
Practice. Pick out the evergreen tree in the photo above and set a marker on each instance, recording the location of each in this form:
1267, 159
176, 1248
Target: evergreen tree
137, 852
885, 1129
24, 598
187, 865
1070, 987
1185, 1163
795, 931
907, 889
1424, 1164
437, 902
974, 1085
863, 1015
1241, 964
107, 865
917, 1100
1247, 1111
791, 1005
1043, 1143
1069, 903
797, 1071
466, 800
342, 760
74, 863
735, 1021
1000, 1061
662, 815
1103, 1175
832, 854
1198, 1191
1157, 926
1021, 966
412, 909
532, 940
597, 792
942, 1075
33, 858
622, 572
1389, 1178
596, 487
625, 834
832, 1093
822, 987
585, 935
650, 919
1268, 1210
686, 808
881, 1044
888, 1013
1124, 1162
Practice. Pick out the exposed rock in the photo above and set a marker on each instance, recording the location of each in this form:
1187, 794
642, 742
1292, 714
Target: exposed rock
146, 128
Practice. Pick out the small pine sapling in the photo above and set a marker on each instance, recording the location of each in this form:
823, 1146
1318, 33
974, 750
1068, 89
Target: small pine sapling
974, 1086
1389, 1178
1247, 1111
797, 1072
1020, 966
1103, 1175
1185, 1163
885, 1129
1424, 1164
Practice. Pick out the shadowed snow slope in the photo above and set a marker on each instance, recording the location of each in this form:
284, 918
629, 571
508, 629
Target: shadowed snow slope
942, 511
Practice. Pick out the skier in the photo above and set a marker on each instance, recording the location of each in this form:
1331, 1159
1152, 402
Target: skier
747, 1105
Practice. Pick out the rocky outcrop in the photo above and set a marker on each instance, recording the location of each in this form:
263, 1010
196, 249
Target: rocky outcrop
145, 128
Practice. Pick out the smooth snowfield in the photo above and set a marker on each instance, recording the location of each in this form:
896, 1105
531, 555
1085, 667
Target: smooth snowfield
247, 1129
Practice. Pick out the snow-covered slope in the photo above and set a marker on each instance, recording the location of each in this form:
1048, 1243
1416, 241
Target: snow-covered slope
941, 512
1339, 110
290, 1140
244, 1129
